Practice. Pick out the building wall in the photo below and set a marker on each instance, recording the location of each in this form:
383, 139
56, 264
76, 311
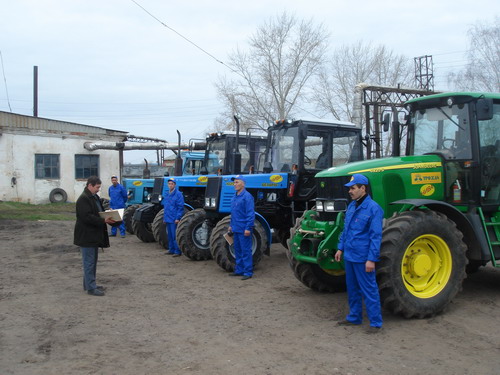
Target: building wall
19, 144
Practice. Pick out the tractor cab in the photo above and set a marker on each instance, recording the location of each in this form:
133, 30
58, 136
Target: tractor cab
464, 130
227, 153
304, 148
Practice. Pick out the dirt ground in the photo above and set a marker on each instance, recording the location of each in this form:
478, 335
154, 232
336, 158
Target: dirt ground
164, 315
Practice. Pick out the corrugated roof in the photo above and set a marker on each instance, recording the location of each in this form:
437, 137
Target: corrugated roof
17, 121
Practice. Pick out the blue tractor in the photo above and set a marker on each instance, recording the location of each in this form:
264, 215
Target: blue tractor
139, 190
282, 184
220, 158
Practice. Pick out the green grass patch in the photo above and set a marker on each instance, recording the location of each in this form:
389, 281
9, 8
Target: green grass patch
33, 212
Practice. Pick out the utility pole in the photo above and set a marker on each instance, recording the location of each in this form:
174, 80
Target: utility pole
424, 72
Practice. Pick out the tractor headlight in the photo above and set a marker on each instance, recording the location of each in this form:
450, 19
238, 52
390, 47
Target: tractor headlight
213, 202
329, 206
319, 206
207, 202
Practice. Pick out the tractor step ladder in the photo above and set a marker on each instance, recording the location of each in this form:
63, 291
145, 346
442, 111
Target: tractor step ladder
495, 224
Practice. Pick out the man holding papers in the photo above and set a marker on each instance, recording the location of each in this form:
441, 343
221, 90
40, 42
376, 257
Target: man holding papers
91, 233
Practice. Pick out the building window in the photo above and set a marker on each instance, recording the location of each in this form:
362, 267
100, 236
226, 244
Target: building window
86, 166
46, 166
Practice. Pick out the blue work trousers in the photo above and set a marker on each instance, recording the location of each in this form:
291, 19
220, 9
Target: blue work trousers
362, 285
172, 243
243, 254
89, 260
122, 229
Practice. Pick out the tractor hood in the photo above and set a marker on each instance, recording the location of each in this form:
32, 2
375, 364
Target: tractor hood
374, 166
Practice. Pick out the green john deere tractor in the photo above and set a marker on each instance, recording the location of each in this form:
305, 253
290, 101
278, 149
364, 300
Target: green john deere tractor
441, 199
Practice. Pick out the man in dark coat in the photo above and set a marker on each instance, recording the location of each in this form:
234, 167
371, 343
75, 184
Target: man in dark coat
91, 233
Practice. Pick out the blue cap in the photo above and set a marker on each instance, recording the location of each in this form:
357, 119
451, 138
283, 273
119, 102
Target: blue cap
357, 179
238, 177
172, 179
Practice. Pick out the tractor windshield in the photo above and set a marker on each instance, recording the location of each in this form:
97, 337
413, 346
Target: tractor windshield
284, 152
442, 130
216, 151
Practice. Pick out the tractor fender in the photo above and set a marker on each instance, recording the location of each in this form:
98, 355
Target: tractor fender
469, 224
267, 228
147, 212
188, 207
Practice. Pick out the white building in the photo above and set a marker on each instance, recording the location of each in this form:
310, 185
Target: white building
44, 160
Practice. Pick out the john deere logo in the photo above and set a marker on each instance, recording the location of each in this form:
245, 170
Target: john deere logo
203, 178
427, 190
322, 184
137, 183
276, 178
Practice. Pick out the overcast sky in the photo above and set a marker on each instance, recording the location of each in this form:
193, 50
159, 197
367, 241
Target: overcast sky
108, 63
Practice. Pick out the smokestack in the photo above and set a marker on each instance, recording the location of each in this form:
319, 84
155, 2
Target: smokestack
35, 91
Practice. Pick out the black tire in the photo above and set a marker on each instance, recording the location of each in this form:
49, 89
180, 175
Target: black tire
422, 263
58, 195
159, 229
143, 231
193, 235
128, 214
473, 266
312, 275
224, 254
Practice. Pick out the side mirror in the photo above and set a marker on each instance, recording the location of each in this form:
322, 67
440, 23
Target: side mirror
484, 109
386, 122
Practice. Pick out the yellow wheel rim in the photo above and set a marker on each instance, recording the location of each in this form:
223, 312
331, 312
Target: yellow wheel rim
334, 272
426, 266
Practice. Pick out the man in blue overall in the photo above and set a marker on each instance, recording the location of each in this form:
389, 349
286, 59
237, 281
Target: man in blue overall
241, 225
173, 203
359, 245
117, 199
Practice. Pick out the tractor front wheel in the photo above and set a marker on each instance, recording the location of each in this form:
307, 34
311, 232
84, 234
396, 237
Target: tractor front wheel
193, 235
422, 263
312, 275
143, 231
128, 214
159, 229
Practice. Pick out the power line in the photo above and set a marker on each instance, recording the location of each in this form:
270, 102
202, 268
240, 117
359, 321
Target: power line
209, 54
178, 33
5, 80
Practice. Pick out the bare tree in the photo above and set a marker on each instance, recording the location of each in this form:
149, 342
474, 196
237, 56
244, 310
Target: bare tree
482, 71
272, 76
354, 64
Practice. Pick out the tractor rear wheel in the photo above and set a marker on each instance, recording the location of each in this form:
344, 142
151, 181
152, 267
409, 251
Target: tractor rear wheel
224, 254
143, 231
159, 229
193, 235
128, 214
422, 263
312, 275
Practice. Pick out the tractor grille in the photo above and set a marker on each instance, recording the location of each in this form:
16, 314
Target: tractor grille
332, 187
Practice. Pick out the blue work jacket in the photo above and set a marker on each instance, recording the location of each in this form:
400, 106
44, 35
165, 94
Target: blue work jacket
242, 212
362, 234
117, 196
173, 204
